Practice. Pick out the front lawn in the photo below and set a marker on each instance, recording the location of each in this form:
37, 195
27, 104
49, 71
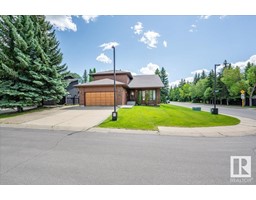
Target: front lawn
149, 118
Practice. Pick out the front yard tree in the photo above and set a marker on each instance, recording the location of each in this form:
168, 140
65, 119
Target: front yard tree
30, 62
16, 87
49, 59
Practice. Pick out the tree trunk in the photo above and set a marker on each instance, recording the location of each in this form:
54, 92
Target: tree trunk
19, 109
227, 102
251, 94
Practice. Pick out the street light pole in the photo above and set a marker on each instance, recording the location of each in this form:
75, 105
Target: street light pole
215, 110
114, 114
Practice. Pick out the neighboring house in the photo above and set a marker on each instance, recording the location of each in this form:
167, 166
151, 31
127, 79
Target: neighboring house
72, 96
140, 89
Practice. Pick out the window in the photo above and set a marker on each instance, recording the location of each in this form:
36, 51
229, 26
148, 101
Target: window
152, 95
143, 95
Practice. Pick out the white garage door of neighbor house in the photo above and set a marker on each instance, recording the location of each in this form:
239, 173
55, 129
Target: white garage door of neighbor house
99, 98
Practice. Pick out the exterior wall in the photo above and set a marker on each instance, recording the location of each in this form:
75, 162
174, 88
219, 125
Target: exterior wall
121, 93
119, 77
72, 90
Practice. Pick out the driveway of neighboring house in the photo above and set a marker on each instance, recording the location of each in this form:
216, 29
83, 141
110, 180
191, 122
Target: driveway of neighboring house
74, 118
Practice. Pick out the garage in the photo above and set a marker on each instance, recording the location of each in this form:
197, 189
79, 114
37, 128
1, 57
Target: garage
99, 98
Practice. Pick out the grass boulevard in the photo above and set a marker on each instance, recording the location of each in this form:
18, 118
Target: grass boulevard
149, 118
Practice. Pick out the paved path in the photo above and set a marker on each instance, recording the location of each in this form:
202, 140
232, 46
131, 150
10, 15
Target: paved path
85, 118
228, 110
64, 157
74, 118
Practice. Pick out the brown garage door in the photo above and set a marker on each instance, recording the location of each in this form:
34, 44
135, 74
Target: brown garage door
99, 98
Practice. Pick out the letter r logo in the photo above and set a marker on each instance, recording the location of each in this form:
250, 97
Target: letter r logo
240, 166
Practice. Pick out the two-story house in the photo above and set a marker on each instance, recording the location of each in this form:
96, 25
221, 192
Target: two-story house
140, 89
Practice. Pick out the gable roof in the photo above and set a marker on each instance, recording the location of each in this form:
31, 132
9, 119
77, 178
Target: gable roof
102, 82
146, 81
109, 72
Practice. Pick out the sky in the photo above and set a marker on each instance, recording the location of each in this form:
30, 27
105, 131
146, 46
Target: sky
182, 44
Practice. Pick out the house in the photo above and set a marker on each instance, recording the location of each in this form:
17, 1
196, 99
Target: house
72, 96
140, 89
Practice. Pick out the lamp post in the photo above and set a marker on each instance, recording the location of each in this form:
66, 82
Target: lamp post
114, 114
215, 110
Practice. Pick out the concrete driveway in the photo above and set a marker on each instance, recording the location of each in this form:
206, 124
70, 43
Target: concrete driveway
73, 118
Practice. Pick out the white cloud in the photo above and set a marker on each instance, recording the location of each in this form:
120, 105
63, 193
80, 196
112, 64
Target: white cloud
205, 16
165, 43
138, 28
222, 16
150, 39
240, 64
177, 82
174, 83
89, 18
193, 28
62, 22
109, 45
149, 69
104, 59
199, 71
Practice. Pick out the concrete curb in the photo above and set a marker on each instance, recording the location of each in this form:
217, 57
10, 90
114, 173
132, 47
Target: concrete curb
246, 127
122, 131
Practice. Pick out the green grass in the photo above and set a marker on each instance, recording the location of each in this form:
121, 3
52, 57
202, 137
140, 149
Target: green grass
14, 114
149, 118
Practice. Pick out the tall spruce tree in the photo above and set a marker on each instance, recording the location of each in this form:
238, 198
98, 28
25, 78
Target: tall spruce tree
29, 62
164, 78
85, 76
90, 75
49, 60
16, 87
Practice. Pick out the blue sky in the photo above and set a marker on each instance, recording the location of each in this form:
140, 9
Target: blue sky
180, 44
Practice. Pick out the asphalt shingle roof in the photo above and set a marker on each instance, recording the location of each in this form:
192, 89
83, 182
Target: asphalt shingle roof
101, 82
112, 72
146, 81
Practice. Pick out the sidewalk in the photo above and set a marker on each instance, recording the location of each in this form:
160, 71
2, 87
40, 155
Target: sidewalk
87, 120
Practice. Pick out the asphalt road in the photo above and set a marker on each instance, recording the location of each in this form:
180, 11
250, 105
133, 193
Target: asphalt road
30, 156
229, 110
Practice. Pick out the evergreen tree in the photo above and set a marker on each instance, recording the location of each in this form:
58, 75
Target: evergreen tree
90, 75
17, 88
157, 72
164, 93
30, 62
203, 75
196, 78
49, 60
85, 76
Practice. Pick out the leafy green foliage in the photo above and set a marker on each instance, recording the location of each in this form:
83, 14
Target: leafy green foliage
229, 82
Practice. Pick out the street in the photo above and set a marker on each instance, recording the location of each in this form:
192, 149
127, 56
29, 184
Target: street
30, 156
229, 110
